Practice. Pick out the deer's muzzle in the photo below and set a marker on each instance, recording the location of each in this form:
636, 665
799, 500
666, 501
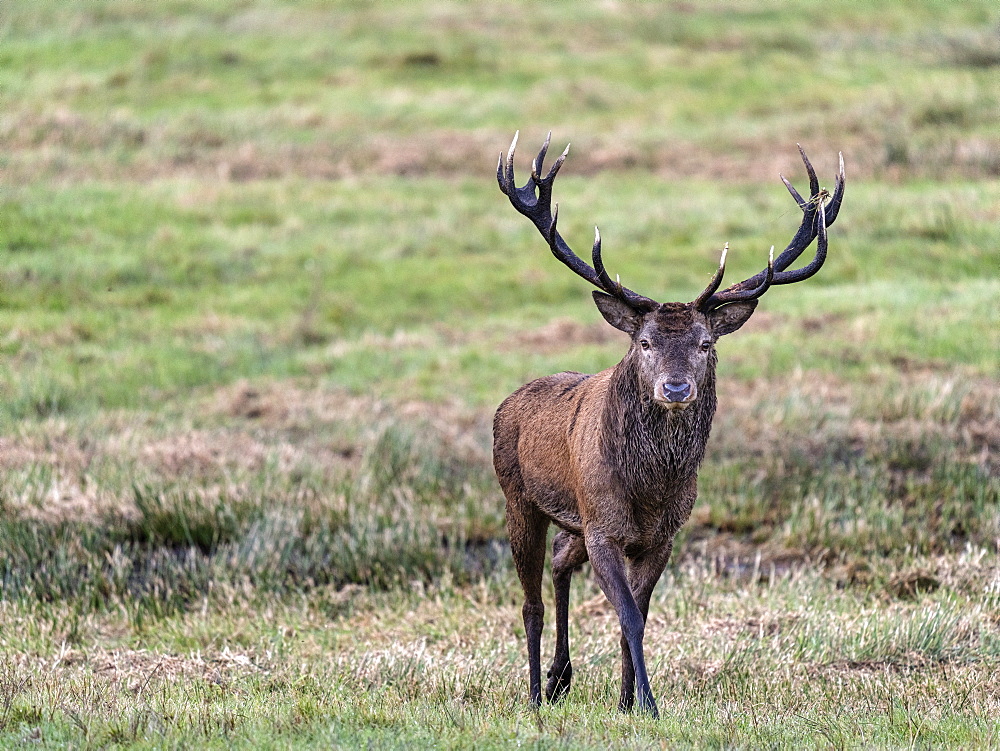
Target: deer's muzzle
675, 394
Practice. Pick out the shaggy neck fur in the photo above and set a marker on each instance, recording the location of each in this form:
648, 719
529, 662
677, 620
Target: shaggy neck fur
654, 450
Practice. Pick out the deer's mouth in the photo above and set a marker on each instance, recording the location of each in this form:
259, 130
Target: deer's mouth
674, 406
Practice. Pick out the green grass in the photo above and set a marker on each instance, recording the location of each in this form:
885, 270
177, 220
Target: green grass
260, 295
169, 295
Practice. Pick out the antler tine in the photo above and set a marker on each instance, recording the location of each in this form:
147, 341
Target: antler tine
508, 175
833, 208
713, 285
768, 278
602, 273
742, 292
512, 149
554, 169
791, 189
534, 200
538, 161
813, 179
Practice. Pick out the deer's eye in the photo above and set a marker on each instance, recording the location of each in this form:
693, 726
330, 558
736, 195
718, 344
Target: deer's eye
706, 345
644, 343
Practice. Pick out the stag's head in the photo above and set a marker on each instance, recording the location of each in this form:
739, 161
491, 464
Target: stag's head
673, 344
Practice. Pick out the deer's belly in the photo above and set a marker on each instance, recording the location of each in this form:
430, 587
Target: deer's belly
557, 502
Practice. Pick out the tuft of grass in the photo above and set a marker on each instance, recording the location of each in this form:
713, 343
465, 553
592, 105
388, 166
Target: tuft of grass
405, 512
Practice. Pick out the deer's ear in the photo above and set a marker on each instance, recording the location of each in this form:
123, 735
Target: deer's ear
617, 313
729, 318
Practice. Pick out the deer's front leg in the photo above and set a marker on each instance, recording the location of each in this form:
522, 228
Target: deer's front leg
643, 575
608, 562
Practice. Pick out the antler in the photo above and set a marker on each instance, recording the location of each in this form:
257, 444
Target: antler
814, 224
534, 200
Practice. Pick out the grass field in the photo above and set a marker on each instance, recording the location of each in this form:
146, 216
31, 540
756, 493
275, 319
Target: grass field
260, 296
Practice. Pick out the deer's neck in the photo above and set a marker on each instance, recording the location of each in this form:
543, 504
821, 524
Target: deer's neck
650, 448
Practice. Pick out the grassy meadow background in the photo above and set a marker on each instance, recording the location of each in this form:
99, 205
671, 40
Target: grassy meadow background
260, 294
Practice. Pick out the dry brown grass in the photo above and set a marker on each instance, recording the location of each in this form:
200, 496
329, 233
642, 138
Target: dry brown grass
963, 411
68, 145
243, 428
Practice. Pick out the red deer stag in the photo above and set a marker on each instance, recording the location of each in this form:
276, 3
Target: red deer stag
612, 459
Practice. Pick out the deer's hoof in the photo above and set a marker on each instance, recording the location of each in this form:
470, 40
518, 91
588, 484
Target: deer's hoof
558, 685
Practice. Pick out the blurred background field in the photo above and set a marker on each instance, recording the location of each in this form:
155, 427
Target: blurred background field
260, 295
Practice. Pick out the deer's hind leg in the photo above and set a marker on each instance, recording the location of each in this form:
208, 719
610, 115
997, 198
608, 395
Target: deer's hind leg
568, 552
527, 528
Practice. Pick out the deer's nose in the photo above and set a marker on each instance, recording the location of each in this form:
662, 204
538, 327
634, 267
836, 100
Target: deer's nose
676, 392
